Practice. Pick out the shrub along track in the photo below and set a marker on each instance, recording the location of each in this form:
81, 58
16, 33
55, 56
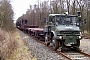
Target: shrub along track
71, 55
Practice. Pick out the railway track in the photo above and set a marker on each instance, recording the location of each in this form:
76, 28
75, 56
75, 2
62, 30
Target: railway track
76, 55
70, 55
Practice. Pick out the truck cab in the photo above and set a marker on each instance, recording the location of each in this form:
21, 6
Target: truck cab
63, 30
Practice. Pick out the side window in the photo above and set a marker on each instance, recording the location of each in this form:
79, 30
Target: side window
53, 19
58, 21
73, 20
50, 19
62, 20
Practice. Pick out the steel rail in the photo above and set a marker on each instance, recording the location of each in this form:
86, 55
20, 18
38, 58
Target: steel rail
58, 52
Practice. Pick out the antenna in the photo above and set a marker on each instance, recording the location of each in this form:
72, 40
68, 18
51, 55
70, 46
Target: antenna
79, 13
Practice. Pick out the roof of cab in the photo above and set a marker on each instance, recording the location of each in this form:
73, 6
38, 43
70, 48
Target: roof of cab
60, 15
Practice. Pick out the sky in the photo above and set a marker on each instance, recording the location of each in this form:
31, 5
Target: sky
20, 6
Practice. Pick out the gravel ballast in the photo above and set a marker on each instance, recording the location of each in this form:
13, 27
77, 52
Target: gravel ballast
41, 52
85, 45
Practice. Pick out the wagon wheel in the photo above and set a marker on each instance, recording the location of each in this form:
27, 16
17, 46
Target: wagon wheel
55, 43
36, 35
47, 39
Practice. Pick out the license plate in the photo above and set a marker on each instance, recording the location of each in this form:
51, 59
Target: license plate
71, 43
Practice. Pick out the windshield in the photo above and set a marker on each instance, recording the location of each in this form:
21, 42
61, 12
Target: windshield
70, 20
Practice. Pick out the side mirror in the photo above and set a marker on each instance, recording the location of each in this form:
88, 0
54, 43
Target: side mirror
78, 13
84, 21
50, 19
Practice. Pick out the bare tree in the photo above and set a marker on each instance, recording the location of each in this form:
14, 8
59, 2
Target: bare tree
6, 14
43, 9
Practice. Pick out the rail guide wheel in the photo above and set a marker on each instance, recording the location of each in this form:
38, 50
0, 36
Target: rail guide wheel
47, 39
55, 43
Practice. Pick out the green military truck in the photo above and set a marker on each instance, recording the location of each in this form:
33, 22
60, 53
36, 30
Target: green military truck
63, 30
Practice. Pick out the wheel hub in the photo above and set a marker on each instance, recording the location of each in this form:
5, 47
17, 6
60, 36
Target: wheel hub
53, 41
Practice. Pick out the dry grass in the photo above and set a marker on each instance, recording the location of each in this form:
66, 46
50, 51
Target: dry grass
86, 35
12, 47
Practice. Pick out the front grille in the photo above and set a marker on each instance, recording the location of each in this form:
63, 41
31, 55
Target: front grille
69, 32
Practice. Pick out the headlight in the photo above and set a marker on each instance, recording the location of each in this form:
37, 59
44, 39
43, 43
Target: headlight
60, 37
80, 37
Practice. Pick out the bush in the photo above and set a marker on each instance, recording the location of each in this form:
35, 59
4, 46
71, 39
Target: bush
12, 47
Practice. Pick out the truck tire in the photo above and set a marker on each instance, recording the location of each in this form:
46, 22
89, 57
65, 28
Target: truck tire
46, 40
55, 43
